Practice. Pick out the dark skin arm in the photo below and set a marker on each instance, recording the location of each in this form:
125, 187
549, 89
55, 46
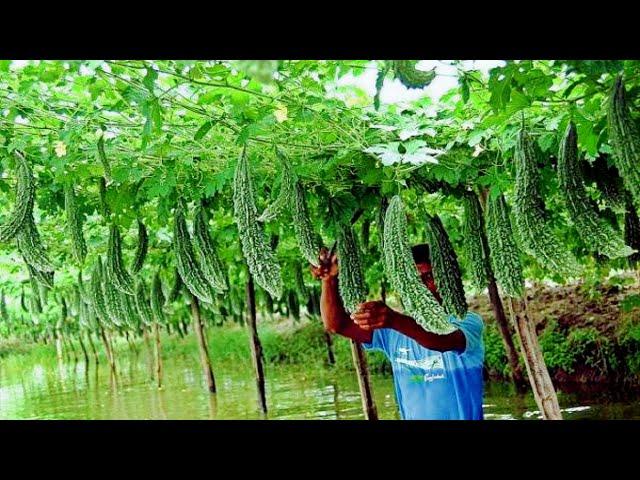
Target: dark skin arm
371, 315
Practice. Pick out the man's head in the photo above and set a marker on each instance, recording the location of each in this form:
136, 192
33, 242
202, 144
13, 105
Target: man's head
423, 262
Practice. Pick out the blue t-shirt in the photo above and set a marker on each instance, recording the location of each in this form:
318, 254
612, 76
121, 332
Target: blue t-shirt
432, 385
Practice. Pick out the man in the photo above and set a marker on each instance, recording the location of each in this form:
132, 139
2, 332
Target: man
436, 377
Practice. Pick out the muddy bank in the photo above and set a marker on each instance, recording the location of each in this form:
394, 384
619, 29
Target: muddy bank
589, 334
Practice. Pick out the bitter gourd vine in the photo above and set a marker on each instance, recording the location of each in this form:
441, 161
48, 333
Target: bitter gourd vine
206, 251
594, 231
308, 241
625, 139
74, 224
531, 219
351, 283
285, 195
31, 247
23, 206
141, 250
400, 269
260, 258
473, 229
505, 256
446, 270
114, 265
186, 262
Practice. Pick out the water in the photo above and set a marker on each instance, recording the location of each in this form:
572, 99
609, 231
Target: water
33, 388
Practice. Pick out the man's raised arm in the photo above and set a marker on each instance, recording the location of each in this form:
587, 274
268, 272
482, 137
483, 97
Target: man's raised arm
334, 316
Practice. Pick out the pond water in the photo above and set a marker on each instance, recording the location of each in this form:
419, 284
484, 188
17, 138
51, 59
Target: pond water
33, 388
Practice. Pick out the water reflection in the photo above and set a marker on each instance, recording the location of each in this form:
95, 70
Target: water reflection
31, 389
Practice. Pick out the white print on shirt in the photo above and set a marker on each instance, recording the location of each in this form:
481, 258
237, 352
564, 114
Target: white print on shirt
432, 364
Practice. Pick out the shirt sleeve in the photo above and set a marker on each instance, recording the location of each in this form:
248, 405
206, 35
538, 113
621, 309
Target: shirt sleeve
379, 340
472, 327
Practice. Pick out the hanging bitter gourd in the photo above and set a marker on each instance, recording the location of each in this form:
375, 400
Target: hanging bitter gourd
505, 256
608, 181
473, 229
103, 158
74, 224
400, 269
104, 205
176, 288
42, 278
186, 262
114, 265
141, 250
308, 241
625, 139
285, 194
594, 231
351, 283
4, 314
25, 195
261, 259
530, 216
96, 291
142, 304
446, 270
157, 299
300, 287
206, 251
31, 247
406, 72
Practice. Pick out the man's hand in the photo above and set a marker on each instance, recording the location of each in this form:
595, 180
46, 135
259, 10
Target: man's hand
328, 265
372, 315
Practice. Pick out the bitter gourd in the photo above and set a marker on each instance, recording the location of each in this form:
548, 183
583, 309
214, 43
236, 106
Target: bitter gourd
260, 258
206, 251
594, 231
186, 262
351, 283
114, 265
446, 270
25, 194
74, 224
625, 139
505, 256
530, 217
402, 273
